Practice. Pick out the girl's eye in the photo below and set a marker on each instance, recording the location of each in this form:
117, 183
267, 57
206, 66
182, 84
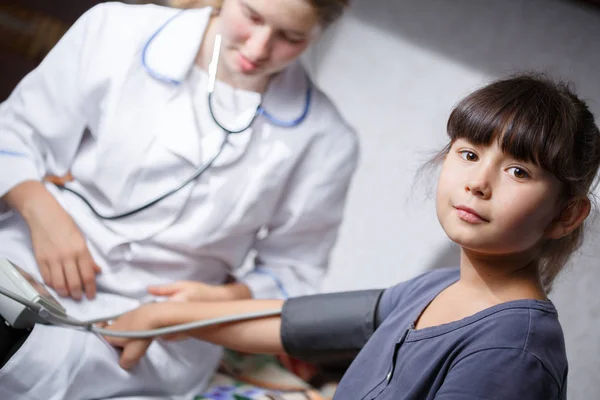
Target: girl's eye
518, 172
468, 155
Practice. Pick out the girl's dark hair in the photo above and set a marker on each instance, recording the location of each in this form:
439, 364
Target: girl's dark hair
535, 119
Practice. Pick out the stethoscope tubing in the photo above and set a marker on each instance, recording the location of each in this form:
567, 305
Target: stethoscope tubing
48, 317
158, 199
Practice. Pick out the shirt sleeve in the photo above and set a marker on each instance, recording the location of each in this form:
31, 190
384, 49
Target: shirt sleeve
390, 299
293, 256
42, 121
498, 374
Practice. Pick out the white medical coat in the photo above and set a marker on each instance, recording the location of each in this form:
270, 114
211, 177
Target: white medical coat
100, 106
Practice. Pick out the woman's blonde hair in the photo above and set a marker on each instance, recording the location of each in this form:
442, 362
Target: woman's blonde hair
196, 3
328, 10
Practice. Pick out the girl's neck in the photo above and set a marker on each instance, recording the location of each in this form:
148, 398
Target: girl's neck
501, 278
224, 74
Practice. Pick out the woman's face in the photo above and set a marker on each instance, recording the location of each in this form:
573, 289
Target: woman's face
262, 37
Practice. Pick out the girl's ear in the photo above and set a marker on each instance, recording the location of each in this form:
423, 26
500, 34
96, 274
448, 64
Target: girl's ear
570, 218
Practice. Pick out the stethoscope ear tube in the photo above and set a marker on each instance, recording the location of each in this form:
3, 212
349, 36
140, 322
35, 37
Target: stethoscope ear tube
227, 130
212, 78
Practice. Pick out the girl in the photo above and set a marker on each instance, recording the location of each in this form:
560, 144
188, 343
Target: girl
513, 193
135, 101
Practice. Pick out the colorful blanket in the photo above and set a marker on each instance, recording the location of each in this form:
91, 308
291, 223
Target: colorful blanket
262, 377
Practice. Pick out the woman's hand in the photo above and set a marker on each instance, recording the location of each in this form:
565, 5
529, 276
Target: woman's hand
144, 318
199, 291
59, 247
62, 255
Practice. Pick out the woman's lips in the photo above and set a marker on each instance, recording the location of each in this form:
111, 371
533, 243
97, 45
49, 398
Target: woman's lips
245, 64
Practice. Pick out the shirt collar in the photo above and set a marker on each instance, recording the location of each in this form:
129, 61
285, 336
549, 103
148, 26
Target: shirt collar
171, 50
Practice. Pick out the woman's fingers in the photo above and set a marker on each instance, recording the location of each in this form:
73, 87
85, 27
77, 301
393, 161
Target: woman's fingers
87, 272
97, 269
165, 290
183, 291
58, 280
73, 278
45, 272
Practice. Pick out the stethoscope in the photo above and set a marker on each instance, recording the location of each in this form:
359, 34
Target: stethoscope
42, 314
212, 74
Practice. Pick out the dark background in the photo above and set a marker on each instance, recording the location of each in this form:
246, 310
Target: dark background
28, 29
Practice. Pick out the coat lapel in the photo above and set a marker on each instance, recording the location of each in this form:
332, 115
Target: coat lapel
170, 52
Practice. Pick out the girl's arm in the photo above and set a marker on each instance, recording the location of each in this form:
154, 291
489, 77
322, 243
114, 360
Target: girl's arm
252, 336
331, 326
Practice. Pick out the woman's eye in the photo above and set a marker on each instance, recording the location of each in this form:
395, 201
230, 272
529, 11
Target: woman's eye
252, 16
468, 155
518, 172
291, 40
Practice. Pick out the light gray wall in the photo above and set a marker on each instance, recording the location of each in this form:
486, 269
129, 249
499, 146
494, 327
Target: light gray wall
395, 68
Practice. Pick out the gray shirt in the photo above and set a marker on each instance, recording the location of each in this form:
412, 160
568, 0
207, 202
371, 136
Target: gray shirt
513, 350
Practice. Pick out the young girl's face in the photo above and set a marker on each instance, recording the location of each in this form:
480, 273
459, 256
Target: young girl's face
489, 202
261, 37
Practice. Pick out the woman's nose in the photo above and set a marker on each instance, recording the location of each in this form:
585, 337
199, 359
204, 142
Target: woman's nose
258, 45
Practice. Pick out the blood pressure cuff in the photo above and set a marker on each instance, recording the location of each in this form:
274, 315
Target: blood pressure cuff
329, 327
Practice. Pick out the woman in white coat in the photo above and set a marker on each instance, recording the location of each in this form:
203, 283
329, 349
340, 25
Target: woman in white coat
121, 102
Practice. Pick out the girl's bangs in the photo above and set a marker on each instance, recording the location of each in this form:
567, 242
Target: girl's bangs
529, 124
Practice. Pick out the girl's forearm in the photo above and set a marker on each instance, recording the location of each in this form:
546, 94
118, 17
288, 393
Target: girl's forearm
251, 336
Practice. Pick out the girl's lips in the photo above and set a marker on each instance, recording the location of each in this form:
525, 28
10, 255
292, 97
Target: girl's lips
469, 215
